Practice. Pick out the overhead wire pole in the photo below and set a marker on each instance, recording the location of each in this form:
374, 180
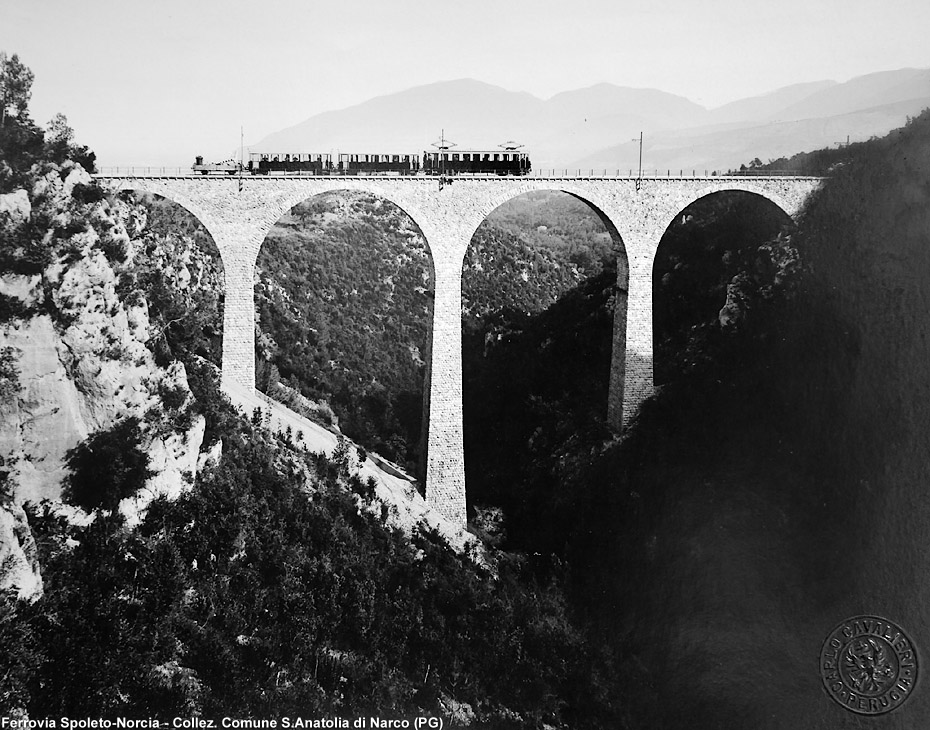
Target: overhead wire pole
241, 148
639, 177
443, 146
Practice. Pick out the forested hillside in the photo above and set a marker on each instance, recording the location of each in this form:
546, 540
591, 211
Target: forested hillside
343, 309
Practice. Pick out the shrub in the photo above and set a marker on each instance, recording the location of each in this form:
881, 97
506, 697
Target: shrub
87, 194
107, 467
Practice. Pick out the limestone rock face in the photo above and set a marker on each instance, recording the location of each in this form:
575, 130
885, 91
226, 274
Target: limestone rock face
39, 426
82, 357
19, 565
15, 207
174, 455
24, 288
110, 366
82, 379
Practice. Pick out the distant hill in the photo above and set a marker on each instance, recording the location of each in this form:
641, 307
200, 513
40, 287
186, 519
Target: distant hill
475, 114
860, 93
410, 120
727, 146
762, 107
593, 127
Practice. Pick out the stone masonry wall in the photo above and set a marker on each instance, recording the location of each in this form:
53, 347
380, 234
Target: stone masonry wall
239, 214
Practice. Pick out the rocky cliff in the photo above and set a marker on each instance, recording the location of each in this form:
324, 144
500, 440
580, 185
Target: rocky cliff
76, 342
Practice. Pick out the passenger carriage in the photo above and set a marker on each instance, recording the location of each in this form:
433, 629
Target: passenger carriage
294, 163
378, 164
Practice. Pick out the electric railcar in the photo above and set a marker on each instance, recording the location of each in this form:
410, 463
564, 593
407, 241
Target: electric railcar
476, 162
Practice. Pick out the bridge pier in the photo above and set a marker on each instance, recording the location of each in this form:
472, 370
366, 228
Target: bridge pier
637, 350
444, 475
618, 355
238, 317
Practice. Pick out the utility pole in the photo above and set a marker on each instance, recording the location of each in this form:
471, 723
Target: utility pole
442, 146
639, 177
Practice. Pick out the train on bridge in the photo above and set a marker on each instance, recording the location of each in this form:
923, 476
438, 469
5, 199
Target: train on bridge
444, 162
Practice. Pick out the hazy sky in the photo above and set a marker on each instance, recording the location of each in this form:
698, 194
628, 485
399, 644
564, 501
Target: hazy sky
156, 82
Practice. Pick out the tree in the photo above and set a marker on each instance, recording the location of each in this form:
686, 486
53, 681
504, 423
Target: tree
20, 138
15, 87
58, 131
58, 138
59, 144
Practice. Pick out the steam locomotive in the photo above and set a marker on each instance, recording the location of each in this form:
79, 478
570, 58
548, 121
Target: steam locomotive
442, 162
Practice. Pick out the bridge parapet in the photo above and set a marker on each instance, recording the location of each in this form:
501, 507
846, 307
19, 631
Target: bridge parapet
549, 174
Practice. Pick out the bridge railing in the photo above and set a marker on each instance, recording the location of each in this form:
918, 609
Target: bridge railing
140, 171
569, 172
656, 173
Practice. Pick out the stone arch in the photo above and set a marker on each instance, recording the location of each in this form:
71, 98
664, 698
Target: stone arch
503, 193
144, 185
500, 195
587, 193
788, 207
211, 250
303, 192
271, 214
232, 235
406, 287
769, 192
755, 210
606, 352
498, 192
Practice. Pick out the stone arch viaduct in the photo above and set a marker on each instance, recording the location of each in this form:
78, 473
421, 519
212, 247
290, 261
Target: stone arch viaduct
238, 213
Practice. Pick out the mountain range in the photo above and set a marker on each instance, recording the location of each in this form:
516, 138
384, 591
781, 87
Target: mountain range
599, 127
